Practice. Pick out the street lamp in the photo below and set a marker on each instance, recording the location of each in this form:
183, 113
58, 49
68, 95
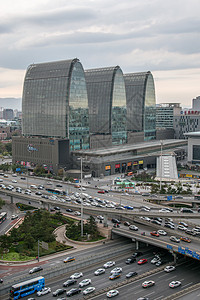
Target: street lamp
161, 144
81, 159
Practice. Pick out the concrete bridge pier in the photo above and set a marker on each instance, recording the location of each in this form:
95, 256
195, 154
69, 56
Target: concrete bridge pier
105, 221
11, 199
175, 257
136, 245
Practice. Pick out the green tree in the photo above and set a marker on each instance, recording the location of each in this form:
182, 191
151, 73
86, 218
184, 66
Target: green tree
2, 202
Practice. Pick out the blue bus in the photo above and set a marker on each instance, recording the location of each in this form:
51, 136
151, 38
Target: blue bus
56, 191
26, 288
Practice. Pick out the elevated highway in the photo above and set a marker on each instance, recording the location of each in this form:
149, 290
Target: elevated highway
107, 212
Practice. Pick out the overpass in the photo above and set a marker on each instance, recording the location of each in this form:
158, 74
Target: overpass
91, 210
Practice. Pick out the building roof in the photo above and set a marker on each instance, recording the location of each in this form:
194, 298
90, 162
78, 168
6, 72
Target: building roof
193, 134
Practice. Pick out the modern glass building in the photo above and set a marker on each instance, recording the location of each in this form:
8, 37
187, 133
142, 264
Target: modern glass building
141, 104
107, 103
55, 103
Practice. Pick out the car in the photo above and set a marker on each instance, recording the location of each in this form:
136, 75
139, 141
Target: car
128, 207
109, 264
131, 274
169, 269
162, 232
154, 233
84, 282
148, 283
100, 217
159, 263
13, 217
133, 227
58, 185
72, 292
145, 194
169, 226
58, 292
1, 280
116, 221
156, 222
137, 254
14, 181
174, 284
126, 223
35, 269
116, 270
38, 193
69, 282
89, 290
174, 239
185, 239
143, 298
56, 207
23, 178
142, 261
99, 271
112, 293
165, 210
76, 275
45, 196
183, 223
155, 260
77, 213
181, 227
101, 192
145, 219
130, 260
44, 291
68, 259
40, 187
114, 276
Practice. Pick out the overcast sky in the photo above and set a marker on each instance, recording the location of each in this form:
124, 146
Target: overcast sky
138, 35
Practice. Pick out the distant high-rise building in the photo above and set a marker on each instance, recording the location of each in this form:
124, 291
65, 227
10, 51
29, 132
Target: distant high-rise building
196, 104
165, 113
8, 114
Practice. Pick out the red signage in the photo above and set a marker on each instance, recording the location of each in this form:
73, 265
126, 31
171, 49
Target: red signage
117, 166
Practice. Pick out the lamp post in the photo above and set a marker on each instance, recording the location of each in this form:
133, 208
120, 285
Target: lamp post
161, 144
81, 159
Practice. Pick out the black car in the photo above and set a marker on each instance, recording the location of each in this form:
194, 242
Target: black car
137, 254
59, 292
69, 282
116, 221
35, 269
73, 292
130, 260
38, 193
1, 280
69, 210
23, 178
131, 274
56, 208
58, 185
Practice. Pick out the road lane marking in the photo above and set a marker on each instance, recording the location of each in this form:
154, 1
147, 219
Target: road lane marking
171, 278
187, 284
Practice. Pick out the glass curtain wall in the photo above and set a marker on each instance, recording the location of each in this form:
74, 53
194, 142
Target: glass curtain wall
150, 109
78, 110
119, 113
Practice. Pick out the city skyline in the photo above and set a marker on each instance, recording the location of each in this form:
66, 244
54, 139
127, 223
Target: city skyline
138, 36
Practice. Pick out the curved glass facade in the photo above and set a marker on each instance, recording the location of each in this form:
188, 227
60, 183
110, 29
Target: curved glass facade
54, 102
78, 110
118, 119
150, 109
141, 104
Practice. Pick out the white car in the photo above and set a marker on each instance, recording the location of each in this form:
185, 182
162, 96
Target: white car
109, 264
89, 290
165, 210
133, 227
116, 270
145, 219
169, 269
77, 213
174, 239
99, 271
112, 293
162, 232
155, 260
14, 217
44, 291
148, 283
181, 227
76, 275
14, 181
174, 284
84, 282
